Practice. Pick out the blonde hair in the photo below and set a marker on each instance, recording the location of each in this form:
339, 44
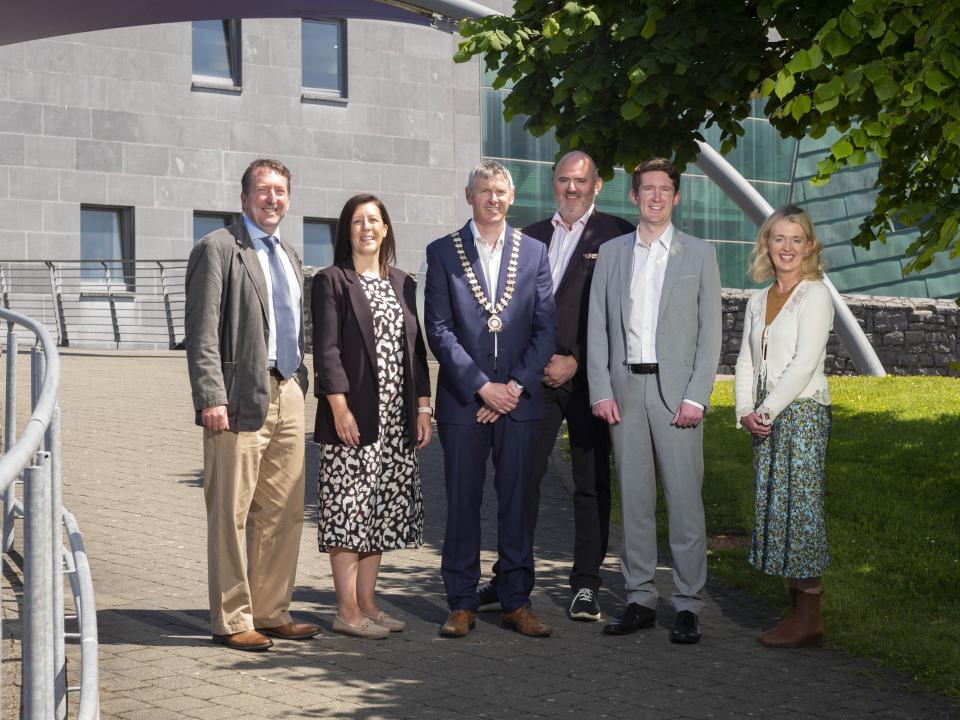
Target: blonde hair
760, 265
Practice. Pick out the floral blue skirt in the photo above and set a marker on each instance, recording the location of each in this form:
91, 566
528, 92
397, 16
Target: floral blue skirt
790, 532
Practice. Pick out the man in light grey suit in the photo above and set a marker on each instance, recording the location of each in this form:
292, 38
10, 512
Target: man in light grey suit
244, 337
654, 335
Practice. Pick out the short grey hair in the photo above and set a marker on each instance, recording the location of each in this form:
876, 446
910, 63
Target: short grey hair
486, 170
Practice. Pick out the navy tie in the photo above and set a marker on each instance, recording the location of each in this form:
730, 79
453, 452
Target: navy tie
284, 319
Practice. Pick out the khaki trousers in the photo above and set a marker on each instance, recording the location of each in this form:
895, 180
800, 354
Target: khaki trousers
253, 487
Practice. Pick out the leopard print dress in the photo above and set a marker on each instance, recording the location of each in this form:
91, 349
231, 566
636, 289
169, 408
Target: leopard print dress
369, 497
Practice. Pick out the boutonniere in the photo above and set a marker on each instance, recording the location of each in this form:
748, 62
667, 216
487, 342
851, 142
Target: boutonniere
590, 256
675, 250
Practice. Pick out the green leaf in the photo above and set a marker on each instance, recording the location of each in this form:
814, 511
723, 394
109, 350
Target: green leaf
582, 96
637, 75
886, 88
876, 70
826, 105
889, 39
799, 62
591, 18
876, 28
874, 128
936, 80
550, 27
828, 90
849, 24
837, 43
815, 55
951, 63
631, 110
785, 84
841, 148
801, 106
649, 28
766, 87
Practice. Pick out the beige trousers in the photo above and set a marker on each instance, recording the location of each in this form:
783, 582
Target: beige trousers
253, 487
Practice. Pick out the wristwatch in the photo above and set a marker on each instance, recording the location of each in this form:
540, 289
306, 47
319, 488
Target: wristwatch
517, 383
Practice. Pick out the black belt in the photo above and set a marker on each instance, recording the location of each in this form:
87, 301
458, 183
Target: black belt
276, 373
642, 368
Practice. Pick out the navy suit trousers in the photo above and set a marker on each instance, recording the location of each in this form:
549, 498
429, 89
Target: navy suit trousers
466, 449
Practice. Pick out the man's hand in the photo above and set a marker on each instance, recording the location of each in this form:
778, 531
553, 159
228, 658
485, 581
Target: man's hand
498, 397
559, 370
755, 425
215, 418
487, 415
608, 411
687, 416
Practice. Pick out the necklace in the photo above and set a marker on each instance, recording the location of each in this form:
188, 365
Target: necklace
494, 322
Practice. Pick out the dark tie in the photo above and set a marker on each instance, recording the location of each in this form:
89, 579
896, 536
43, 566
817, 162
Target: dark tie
284, 319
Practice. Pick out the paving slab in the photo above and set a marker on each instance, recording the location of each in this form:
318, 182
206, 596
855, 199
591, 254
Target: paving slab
133, 477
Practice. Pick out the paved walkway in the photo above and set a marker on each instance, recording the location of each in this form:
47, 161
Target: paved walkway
132, 460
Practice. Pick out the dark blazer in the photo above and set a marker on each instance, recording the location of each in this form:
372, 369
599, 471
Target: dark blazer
345, 356
573, 296
457, 332
226, 327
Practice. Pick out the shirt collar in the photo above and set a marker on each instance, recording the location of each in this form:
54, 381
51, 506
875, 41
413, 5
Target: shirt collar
256, 233
476, 234
557, 220
665, 240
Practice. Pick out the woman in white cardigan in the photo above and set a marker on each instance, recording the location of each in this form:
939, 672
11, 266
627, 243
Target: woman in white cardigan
783, 401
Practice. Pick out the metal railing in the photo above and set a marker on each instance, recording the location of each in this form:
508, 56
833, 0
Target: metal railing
34, 457
100, 303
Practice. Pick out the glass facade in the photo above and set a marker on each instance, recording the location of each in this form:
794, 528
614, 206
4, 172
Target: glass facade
216, 51
778, 168
206, 223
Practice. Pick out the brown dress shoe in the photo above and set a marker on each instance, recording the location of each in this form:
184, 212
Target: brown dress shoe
525, 622
292, 631
248, 640
803, 629
458, 624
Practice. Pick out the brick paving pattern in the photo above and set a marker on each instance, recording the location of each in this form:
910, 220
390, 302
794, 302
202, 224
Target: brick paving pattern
132, 471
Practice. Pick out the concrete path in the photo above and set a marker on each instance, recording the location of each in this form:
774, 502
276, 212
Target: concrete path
133, 466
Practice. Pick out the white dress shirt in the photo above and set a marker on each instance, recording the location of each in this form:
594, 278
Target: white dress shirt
646, 283
563, 243
490, 258
263, 255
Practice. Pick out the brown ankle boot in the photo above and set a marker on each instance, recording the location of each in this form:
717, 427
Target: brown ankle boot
793, 606
803, 629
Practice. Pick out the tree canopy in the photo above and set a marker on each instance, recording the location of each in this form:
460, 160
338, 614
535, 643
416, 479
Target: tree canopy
629, 79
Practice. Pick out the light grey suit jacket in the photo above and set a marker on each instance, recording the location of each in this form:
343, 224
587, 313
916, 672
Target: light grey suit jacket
689, 329
227, 328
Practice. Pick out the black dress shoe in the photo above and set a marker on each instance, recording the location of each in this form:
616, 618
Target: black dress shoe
686, 628
635, 617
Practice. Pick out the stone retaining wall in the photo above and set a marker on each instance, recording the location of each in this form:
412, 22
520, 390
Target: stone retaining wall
912, 336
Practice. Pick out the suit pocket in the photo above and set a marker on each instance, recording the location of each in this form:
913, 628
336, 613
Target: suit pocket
230, 382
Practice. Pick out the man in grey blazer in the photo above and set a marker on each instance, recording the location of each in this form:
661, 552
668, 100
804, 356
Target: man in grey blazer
654, 335
244, 338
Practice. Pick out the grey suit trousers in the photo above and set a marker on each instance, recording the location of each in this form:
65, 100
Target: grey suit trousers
644, 440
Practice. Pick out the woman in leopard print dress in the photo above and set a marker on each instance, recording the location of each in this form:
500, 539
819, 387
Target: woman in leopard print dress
374, 412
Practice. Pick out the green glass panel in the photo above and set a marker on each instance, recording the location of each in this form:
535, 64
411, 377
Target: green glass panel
508, 139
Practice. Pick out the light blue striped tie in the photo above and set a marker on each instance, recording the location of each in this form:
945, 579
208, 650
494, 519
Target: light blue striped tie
284, 319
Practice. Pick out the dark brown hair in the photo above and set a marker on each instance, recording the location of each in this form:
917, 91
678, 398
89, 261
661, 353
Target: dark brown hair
656, 165
343, 248
275, 165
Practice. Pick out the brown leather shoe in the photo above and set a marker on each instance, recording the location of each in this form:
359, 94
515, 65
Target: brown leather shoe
458, 624
292, 631
248, 640
525, 622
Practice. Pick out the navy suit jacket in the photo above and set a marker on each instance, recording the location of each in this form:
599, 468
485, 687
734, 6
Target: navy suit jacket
456, 327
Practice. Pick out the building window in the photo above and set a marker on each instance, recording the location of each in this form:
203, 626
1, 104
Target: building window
107, 246
324, 59
216, 54
318, 238
205, 223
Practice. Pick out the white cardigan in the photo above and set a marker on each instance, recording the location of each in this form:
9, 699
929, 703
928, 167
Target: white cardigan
796, 344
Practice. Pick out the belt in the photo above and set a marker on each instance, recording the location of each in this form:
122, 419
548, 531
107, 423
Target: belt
276, 373
642, 368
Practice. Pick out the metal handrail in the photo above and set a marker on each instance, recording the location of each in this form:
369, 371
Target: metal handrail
20, 455
35, 456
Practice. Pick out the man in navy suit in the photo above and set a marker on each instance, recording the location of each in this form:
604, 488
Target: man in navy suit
491, 324
573, 235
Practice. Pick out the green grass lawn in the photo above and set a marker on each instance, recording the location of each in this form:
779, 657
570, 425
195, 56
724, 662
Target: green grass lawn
892, 591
